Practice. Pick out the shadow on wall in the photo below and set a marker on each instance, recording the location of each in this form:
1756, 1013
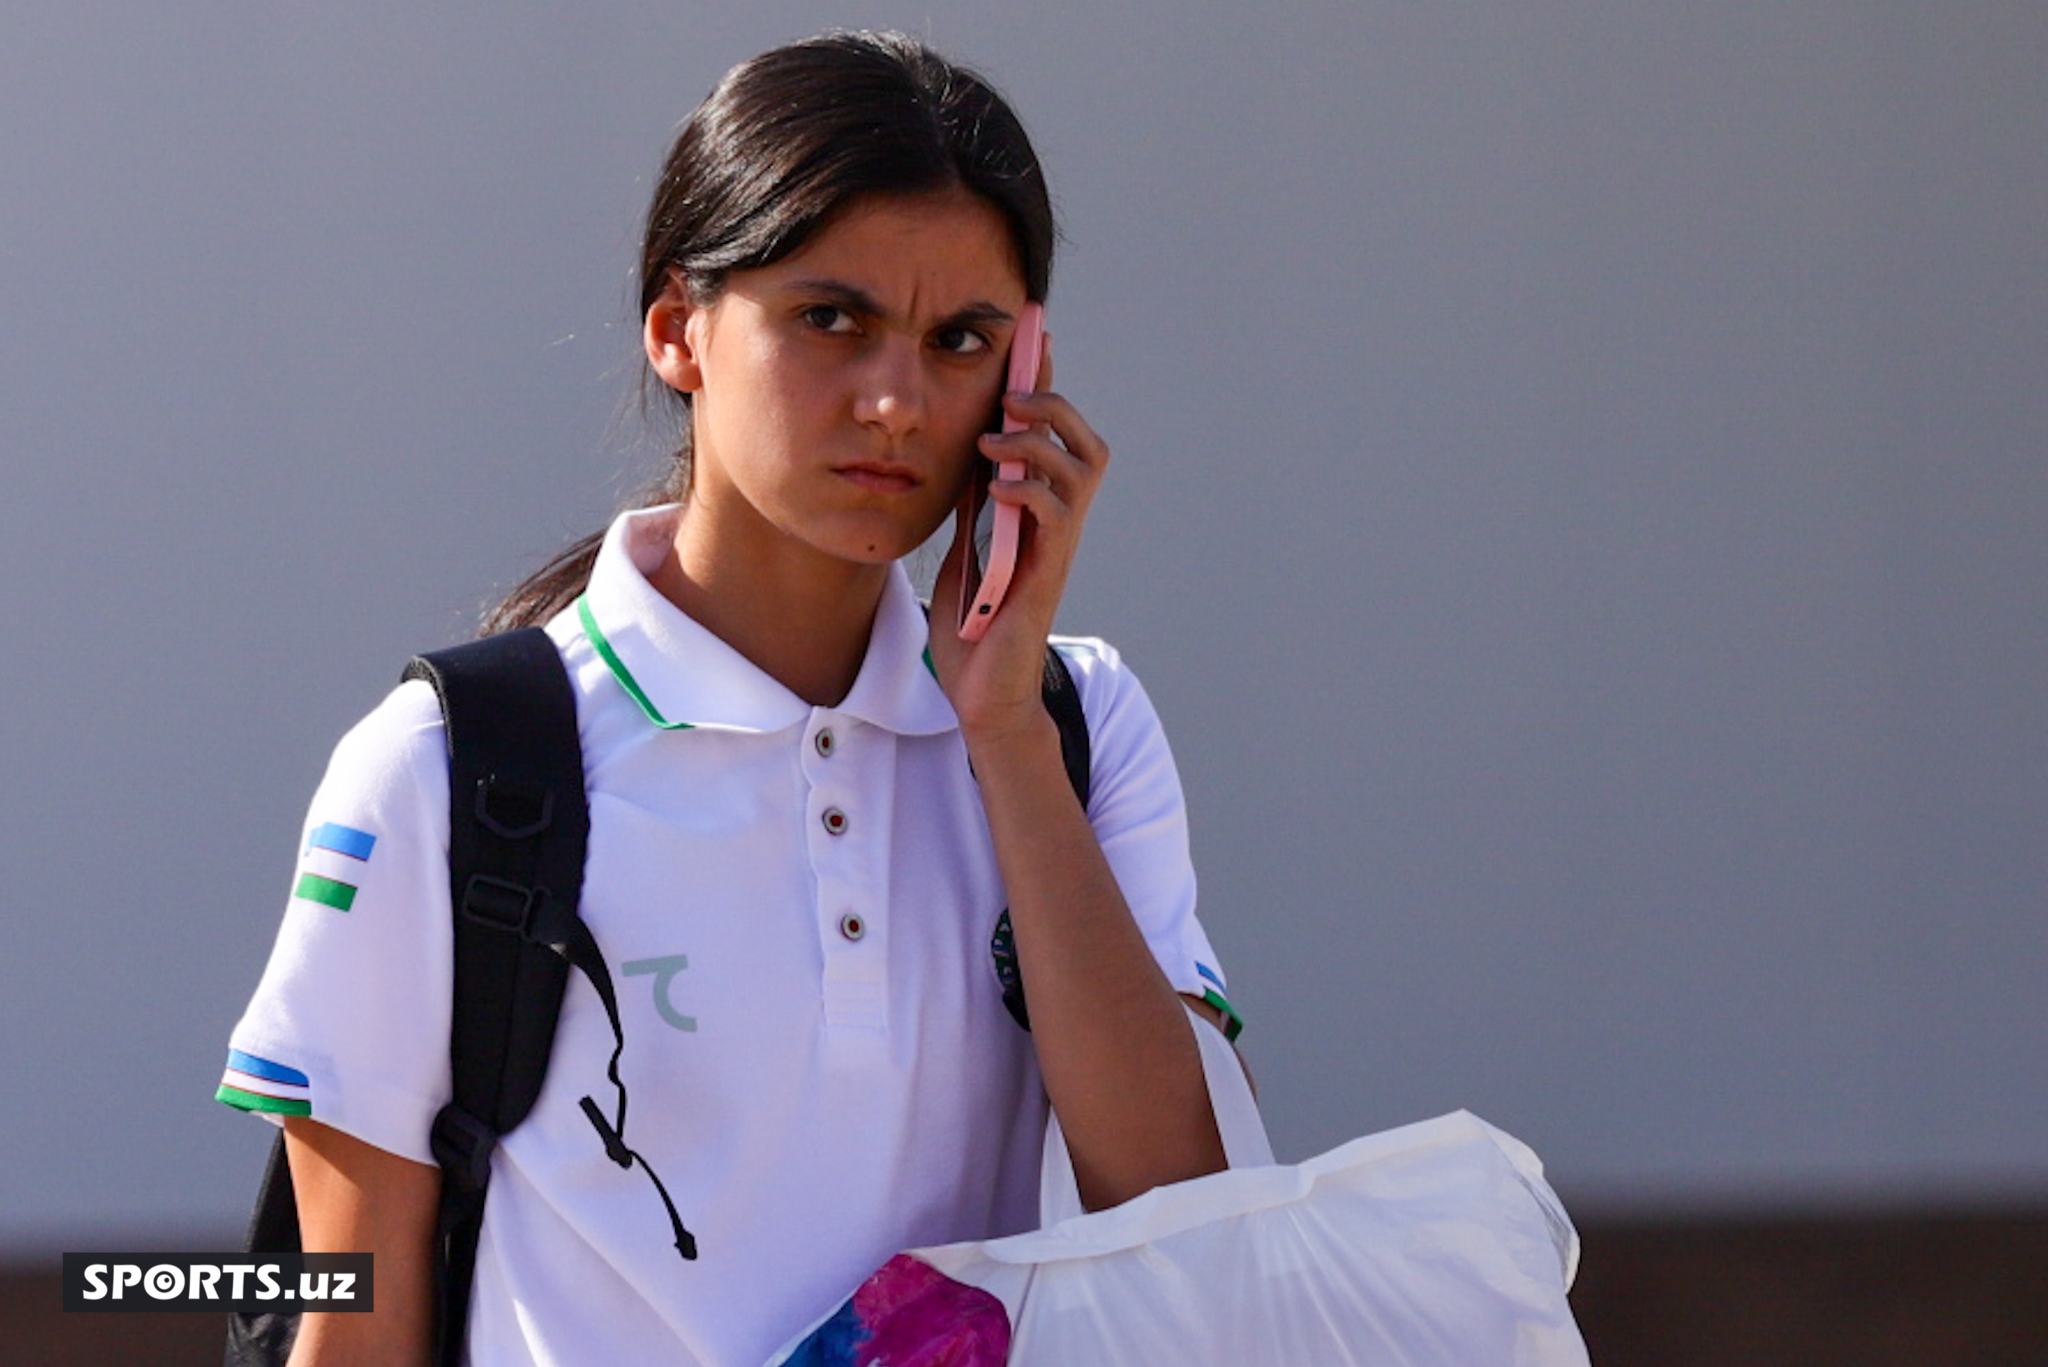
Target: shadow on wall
1922, 1291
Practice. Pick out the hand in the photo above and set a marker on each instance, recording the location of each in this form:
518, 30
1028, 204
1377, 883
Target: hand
994, 682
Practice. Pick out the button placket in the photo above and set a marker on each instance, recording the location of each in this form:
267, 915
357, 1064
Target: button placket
825, 777
847, 806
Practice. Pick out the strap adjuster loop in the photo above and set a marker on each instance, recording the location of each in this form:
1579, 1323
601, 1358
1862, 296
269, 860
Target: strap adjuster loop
500, 903
463, 1145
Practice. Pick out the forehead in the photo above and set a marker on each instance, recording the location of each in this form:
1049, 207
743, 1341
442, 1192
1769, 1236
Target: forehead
941, 250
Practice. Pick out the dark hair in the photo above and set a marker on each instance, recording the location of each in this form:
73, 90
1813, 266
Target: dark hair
786, 141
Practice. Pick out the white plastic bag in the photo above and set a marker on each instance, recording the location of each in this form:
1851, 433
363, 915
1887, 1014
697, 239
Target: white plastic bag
1435, 1245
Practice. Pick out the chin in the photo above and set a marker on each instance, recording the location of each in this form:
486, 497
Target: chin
884, 545
874, 550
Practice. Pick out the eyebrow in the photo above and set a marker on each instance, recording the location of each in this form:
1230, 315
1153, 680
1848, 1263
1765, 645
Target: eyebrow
858, 301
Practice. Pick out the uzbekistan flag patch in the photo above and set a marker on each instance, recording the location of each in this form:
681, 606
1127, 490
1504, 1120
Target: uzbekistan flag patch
328, 867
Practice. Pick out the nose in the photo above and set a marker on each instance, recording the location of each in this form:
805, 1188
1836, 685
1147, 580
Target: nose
891, 388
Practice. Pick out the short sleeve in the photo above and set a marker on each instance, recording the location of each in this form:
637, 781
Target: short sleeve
1139, 814
349, 1024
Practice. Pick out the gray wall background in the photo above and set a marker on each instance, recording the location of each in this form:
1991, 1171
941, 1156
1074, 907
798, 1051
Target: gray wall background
1580, 507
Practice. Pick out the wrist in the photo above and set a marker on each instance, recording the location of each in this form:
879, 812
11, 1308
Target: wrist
1012, 743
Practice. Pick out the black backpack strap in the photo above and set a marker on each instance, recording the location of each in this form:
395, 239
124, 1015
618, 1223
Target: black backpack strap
1063, 699
518, 828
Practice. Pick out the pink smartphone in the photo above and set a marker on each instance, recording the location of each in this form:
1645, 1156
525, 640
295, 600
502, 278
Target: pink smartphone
985, 582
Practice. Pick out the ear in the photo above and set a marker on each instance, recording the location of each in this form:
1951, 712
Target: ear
673, 334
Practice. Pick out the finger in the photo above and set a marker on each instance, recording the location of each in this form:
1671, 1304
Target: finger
1071, 477
1055, 413
1050, 514
1051, 542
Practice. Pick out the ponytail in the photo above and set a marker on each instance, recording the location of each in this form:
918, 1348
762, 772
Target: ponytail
563, 578
547, 591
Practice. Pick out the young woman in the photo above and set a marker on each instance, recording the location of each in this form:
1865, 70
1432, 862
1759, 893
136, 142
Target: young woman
808, 808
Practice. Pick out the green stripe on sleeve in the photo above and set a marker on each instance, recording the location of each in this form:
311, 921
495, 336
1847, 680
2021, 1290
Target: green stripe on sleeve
250, 1101
313, 888
1233, 1024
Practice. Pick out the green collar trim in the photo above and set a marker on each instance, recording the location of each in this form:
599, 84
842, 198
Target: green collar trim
618, 668
929, 666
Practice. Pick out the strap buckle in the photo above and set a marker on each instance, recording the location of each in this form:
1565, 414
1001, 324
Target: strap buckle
514, 809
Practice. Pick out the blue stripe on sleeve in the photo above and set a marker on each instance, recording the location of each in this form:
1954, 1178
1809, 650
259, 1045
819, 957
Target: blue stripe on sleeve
264, 1068
344, 840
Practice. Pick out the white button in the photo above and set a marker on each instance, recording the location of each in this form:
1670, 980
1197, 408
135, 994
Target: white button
823, 740
852, 926
835, 821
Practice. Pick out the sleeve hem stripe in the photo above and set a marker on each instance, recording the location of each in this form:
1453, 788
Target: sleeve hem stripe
1233, 1024
251, 1101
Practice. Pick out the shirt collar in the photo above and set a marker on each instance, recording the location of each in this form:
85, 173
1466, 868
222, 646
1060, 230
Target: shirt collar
681, 674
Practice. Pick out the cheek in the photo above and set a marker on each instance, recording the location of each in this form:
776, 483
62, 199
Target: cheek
767, 390
966, 463
973, 411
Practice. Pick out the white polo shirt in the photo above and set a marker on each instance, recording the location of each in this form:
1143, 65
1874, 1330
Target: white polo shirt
796, 903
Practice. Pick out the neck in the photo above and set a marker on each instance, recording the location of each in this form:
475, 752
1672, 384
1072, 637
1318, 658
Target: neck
801, 617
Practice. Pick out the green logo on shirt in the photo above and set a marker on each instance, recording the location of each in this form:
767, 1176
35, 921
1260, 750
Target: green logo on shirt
664, 971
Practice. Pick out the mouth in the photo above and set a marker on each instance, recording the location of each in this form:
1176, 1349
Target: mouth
880, 476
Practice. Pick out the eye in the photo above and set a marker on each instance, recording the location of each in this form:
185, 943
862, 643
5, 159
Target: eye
828, 318
960, 341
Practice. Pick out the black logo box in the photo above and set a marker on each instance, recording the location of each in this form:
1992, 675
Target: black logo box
251, 1283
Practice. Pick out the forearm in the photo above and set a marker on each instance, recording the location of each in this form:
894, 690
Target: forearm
354, 1198
1120, 1065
